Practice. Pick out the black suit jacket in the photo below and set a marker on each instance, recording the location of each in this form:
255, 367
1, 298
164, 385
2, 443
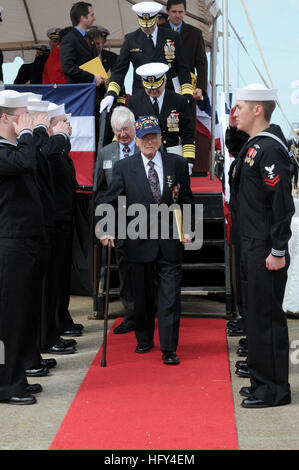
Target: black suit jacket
175, 107
129, 179
137, 49
74, 51
195, 51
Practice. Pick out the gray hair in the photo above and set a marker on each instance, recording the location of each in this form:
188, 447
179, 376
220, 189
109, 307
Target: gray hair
120, 116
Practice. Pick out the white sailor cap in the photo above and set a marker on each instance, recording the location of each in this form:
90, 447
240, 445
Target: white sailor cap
32, 96
147, 13
13, 99
256, 92
153, 74
38, 106
55, 110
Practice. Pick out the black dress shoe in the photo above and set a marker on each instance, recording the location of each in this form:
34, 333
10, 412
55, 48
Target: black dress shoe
246, 392
170, 358
242, 372
242, 364
68, 342
22, 399
235, 331
49, 363
252, 402
73, 332
143, 349
234, 323
242, 352
123, 328
78, 326
37, 371
31, 389
60, 348
242, 343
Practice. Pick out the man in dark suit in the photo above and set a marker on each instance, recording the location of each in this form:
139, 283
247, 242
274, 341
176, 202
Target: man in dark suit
77, 48
193, 42
171, 109
149, 43
153, 180
123, 125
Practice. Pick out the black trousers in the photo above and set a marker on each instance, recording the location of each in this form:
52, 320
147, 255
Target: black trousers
63, 260
126, 295
157, 291
49, 333
266, 323
19, 265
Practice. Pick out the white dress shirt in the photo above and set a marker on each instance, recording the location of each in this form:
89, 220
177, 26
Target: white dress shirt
158, 167
154, 36
159, 100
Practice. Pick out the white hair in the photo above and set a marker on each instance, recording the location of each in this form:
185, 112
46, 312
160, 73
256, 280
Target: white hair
120, 116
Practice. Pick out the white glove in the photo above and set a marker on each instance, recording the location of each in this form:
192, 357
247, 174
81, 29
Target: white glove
106, 102
190, 166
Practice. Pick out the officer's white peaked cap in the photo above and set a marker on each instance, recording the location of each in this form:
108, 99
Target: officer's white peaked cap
147, 8
153, 69
13, 99
39, 106
256, 92
55, 110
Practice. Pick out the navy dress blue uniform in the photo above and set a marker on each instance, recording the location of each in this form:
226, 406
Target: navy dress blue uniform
137, 50
174, 118
21, 231
261, 180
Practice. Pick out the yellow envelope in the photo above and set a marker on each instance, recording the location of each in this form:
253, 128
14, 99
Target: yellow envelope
95, 67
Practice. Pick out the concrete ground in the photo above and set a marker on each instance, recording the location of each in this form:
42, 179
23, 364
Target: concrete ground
34, 427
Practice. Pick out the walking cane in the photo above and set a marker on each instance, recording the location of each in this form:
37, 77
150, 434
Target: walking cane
103, 361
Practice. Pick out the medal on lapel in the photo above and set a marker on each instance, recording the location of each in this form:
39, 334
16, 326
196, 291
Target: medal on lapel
169, 50
173, 121
169, 181
175, 193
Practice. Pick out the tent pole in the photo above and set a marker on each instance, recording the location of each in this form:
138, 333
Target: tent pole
30, 21
225, 46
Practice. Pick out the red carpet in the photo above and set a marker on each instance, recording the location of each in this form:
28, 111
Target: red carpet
203, 184
139, 403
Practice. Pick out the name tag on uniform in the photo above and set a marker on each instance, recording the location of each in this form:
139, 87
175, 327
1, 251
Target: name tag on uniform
107, 164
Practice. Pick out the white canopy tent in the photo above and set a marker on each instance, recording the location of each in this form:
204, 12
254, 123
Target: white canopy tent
25, 22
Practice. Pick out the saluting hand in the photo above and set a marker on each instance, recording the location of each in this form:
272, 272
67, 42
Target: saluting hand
24, 122
41, 118
63, 127
232, 119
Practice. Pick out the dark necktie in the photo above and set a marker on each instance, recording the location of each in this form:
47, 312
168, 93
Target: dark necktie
88, 41
126, 151
156, 107
154, 182
150, 39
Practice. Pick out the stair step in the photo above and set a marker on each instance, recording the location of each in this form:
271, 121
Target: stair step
199, 290
207, 266
205, 290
